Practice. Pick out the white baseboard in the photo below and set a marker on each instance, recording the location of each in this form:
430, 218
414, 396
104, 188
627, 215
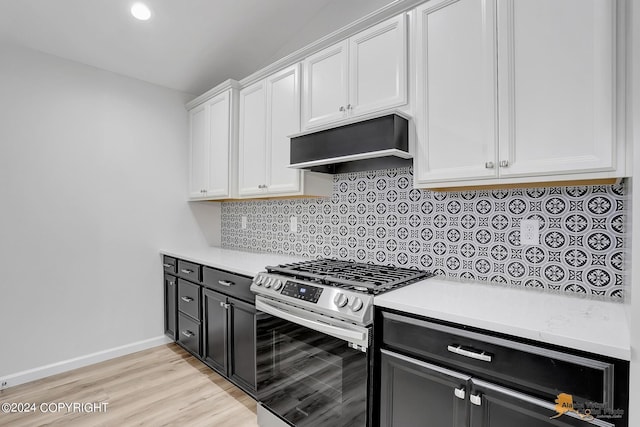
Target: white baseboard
78, 362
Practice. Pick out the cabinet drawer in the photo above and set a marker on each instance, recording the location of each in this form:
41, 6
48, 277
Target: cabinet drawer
170, 264
536, 370
228, 283
189, 270
189, 333
189, 298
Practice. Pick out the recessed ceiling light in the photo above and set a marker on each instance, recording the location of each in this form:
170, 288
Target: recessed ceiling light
140, 11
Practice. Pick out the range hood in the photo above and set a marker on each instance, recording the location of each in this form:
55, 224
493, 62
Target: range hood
377, 143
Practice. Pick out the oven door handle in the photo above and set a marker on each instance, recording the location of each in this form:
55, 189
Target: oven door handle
360, 338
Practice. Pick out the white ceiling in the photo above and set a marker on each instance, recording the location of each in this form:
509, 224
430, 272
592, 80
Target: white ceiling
188, 45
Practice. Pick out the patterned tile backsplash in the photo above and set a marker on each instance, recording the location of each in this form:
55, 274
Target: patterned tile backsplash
378, 217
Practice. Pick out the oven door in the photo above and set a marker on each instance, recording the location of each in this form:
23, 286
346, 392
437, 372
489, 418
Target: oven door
308, 371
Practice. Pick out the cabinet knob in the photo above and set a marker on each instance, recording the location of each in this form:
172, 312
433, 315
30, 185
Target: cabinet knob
489, 165
504, 163
341, 109
262, 186
459, 392
349, 107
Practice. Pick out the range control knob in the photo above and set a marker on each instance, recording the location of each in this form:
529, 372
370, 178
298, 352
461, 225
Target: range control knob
267, 283
356, 304
277, 285
258, 280
340, 299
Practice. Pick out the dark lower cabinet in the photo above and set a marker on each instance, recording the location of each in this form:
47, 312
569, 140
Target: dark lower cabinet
501, 407
418, 394
170, 306
436, 374
229, 338
215, 330
242, 344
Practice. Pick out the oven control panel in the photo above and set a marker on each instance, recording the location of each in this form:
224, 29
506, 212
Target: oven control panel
301, 291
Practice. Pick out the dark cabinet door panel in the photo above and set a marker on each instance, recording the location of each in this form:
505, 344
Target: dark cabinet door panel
215, 330
419, 394
170, 306
242, 342
496, 406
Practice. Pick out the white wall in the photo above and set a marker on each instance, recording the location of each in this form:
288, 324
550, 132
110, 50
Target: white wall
93, 183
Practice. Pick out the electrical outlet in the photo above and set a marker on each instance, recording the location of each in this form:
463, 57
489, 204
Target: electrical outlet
293, 224
244, 222
529, 232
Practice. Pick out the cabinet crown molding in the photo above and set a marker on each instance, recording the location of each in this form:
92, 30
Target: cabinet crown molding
226, 85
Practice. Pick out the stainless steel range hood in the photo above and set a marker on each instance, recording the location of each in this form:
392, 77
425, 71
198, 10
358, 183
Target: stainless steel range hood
377, 143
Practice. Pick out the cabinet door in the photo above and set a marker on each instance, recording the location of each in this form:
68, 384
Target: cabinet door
242, 344
416, 393
283, 119
198, 140
252, 144
214, 326
170, 306
557, 86
325, 85
378, 67
456, 111
495, 406
218, 148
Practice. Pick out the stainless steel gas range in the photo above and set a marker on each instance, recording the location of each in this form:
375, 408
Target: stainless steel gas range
314, 328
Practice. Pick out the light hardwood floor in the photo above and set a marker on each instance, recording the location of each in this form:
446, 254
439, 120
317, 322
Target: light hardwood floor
162, 386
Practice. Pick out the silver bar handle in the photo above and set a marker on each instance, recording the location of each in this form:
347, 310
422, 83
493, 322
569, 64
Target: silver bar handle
344, 334
341, 108
165, 265
186, 299
225, 282
504, 163
186, 271
349, 107
462, 352
188, 334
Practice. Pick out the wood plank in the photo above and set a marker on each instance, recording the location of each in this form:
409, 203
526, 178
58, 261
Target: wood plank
164, 385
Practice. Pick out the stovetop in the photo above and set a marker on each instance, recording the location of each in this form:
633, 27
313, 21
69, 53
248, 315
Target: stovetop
354, 276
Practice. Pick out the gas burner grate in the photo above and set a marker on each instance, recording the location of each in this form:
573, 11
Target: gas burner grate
356, 276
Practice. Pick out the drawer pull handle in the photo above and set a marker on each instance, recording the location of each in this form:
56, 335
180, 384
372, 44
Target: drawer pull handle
225, 283
188, 334
165, 265
462, 352
224, 305
476, 399
186, 271
186, 299
459, 392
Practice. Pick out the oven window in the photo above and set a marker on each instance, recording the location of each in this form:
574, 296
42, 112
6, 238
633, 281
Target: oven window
309, 378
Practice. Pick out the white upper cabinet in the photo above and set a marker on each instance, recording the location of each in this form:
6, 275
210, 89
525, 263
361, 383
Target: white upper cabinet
364, 74
252, 140
516, 91
457, 89
557, 81
211, 148
269, 113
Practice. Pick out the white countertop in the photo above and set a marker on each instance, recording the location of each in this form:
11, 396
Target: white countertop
241, 262
581, 323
